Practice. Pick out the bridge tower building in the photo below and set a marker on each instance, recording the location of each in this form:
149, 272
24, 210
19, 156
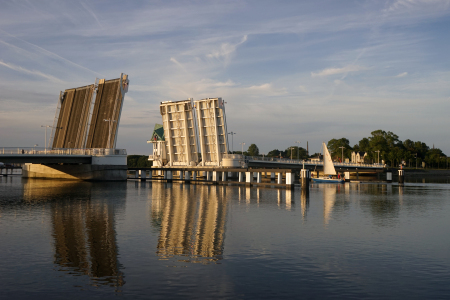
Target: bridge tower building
212, 127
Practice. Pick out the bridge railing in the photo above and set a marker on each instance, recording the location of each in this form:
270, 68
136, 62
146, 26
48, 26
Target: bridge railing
62, 151
311, 162
233, 156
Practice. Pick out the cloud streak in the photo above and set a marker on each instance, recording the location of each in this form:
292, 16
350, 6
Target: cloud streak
30, 72
402, 74
334, 71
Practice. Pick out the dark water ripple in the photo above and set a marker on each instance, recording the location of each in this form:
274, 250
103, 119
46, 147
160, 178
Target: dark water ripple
72, 240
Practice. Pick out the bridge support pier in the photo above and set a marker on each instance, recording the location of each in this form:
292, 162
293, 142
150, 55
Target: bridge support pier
389, 176
258, 177
215, 177
241, 176
249, 178
280, 178
305, 178
272, 176
401, 176
143, 175
224, 176
168, 176
347, 176
290, 178
187, 176
77, 172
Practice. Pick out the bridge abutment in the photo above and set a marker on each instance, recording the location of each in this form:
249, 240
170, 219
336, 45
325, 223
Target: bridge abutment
103, 168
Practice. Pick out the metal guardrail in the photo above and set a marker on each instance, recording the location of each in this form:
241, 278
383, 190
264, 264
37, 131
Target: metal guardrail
65, 151
234, 156
309, 162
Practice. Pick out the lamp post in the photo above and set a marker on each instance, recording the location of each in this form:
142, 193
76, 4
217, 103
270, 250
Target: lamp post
378, 155
242, 148
416, 160
342, 147
45, 144
298, 150
110, 121
232, 147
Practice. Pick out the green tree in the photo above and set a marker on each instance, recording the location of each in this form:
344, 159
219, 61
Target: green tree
433, 157
253, 150
274, 153
138, 161
334, 146
296, 152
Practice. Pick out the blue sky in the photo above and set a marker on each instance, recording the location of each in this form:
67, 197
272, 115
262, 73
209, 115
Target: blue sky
288, 70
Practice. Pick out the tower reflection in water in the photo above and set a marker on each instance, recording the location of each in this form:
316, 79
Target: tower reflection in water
83, 229
191, 221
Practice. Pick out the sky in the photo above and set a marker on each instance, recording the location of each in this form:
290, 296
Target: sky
289, 71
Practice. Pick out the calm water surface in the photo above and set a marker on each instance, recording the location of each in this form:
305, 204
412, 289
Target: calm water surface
73, 240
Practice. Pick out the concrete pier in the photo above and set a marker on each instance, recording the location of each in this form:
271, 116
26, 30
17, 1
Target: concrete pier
305, 178
347, 176
103, 167
248, 178
401, 176
389, 176
241, 177
143, 175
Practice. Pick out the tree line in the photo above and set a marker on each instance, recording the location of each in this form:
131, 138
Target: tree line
380, 146
138, 161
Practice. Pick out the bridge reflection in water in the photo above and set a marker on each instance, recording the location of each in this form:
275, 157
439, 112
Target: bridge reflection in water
191, 221
83, 229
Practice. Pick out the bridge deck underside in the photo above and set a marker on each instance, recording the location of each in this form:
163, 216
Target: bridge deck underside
46, 159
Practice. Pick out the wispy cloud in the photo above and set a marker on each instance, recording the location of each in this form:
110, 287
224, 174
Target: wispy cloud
172, 59
402, 74
408, 5
91, 12
50, 54
30, 72
226, 50
334, 71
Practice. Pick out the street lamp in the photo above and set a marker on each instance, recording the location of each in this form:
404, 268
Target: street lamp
342, 147
232, 147
45, 144
298, 150
109, 135
378, 155
242, 148
291, 152
416, 160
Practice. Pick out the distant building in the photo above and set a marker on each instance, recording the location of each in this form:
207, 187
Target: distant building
358, 156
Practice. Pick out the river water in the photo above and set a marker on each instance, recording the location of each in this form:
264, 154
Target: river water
134, 240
